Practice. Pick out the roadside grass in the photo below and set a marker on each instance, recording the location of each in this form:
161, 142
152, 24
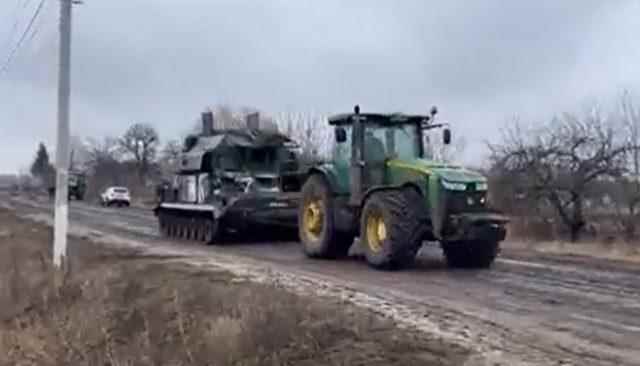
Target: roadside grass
537, 237
115, 307
614, 251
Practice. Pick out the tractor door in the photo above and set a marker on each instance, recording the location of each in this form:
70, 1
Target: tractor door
375, 155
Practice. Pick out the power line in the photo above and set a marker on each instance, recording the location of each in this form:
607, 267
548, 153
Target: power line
14, 27
38, 27
5, 67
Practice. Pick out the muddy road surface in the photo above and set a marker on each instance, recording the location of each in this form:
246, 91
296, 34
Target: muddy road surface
532, 309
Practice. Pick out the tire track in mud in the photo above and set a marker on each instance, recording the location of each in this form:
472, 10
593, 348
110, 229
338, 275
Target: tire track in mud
546, 310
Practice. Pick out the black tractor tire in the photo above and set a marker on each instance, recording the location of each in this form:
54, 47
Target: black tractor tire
316, 227
471, 254
392, 227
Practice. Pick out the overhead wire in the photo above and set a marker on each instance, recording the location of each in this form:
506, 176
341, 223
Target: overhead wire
14, 14
36, 30
24, 35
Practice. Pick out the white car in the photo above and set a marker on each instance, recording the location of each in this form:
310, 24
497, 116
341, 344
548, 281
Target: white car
118, 196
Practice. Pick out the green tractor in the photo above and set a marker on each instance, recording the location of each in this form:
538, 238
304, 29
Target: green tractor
380, 187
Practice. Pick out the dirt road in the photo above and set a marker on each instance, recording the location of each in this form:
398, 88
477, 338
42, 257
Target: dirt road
532, 309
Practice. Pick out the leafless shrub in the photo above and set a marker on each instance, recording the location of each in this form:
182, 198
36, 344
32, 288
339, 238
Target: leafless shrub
557, 165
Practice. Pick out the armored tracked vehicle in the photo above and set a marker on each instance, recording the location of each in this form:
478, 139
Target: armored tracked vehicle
231, 182
380, 187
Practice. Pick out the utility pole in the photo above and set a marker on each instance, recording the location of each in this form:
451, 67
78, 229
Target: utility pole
61, 218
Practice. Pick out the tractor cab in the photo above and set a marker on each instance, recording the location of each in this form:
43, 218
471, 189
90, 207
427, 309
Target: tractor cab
366, 144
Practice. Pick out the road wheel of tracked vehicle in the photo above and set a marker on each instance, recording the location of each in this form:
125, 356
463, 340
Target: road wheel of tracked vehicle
163, 225
181, 228
316, 227
198, 230
188, 229
171, 227
391, 228
193, 229
203, 231
211, 229
470, 254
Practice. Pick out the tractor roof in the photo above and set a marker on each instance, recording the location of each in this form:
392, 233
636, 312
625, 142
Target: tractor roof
378, 118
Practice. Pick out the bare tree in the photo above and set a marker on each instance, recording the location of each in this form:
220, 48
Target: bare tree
435, 148
169, 157
80, 154
140, 141
309, 130
103, 151
626, 195
558, 163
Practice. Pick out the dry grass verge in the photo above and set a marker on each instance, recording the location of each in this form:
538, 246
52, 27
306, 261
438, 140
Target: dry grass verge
119, 308
612, 251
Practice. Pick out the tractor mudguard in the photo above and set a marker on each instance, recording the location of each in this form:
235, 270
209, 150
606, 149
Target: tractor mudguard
344, 216
375, 189
329, 173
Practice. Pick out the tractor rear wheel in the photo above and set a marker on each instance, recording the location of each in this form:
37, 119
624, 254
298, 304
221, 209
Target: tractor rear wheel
391, 228
316, 226
470, 254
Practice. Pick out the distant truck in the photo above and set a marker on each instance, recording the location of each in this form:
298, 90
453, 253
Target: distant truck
77, 185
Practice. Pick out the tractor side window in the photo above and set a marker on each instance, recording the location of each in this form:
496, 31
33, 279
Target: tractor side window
406, 142
342, 151
374, 144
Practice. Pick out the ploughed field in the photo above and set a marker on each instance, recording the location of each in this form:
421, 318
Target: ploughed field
528, 307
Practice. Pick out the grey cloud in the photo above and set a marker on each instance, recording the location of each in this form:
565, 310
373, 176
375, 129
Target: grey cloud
162, 61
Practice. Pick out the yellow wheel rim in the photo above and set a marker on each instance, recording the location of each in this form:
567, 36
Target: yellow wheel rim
376, 231
313, 219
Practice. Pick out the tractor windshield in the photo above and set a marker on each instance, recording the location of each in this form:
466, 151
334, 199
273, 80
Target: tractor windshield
392, 142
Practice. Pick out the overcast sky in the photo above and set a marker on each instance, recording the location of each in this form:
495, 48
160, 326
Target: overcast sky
162, 61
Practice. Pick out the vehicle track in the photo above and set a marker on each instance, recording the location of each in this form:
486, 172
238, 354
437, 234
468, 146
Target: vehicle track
586, 315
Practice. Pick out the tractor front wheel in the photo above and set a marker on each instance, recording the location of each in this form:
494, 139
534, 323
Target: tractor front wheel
316, 226
391, 228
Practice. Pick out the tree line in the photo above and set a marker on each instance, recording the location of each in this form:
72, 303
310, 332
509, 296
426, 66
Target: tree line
576, 174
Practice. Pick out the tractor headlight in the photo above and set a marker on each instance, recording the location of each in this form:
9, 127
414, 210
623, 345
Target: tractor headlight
453, 186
